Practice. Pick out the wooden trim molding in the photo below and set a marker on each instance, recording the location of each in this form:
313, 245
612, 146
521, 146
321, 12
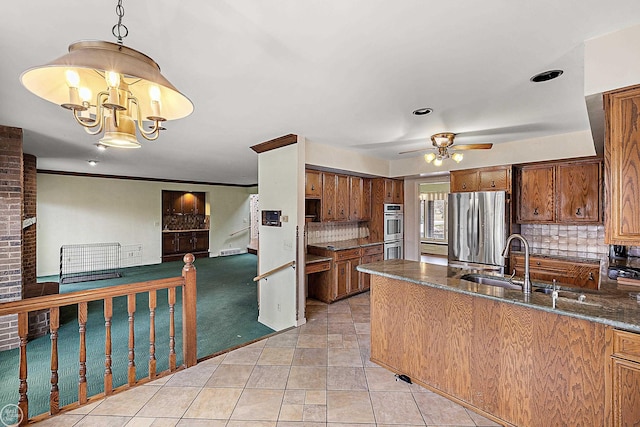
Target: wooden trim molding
283, 141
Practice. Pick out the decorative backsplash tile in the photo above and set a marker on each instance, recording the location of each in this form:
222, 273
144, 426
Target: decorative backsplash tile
185, 222
319, 232
585, 241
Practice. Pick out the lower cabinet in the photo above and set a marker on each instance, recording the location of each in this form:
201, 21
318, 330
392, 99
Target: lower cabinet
342, 280
176, 244
569, 273
625, 381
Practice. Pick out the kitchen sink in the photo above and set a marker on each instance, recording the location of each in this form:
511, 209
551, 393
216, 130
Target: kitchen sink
491, 281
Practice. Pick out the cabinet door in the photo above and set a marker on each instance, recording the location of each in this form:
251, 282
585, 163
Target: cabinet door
188, 203
354, 276
167, 202
200, 205
536, 194
200, 241
184, 242
355, 198
578, 187
342, 198
312, 184
495, 179
463, 181
626, 392
168, 243
388, 191
622, 167
328, 197
342, 279
398, 191
366, 199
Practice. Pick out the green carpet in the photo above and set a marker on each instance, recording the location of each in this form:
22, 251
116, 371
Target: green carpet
227, 316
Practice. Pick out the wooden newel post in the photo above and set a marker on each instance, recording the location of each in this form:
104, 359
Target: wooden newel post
189, 323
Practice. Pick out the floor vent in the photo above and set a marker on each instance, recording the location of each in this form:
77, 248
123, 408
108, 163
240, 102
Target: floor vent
232, 251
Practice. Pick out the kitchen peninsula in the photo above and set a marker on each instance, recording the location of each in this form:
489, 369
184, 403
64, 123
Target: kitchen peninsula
511, 356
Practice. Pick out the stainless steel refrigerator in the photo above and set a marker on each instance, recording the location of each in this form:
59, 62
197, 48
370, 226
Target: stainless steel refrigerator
477, 227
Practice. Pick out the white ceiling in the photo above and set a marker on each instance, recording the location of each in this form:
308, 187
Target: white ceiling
344, 72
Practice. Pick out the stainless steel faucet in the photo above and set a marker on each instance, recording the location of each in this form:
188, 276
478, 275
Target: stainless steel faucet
526, 286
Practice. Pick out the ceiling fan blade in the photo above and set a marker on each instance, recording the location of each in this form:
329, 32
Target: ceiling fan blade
415, 151
472, 146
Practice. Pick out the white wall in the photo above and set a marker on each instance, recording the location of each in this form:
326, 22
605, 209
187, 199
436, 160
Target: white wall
281, 187
348, 160
612, 61
74, 210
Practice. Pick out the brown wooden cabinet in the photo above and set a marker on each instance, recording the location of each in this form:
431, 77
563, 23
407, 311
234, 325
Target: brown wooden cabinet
579, 192
329, 186
560, 192
183, 203
342, 198
342, 279
175, 244
496, 178
622, 166
625, 382
392, 190
313, 184
565, 272
536, 194
366, 199
370, 254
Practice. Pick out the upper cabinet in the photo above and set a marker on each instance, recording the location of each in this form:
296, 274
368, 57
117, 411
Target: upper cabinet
622, 166
337, 197
393, 191
183, 203
560, 192
535, 194
313, 184
485, 179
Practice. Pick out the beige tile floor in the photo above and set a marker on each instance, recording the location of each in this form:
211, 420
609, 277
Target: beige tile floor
312, 376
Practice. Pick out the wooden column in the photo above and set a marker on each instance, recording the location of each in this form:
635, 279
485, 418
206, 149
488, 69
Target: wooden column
189, 325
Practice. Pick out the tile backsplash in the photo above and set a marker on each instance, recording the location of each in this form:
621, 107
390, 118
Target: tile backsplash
319, 232
586, 241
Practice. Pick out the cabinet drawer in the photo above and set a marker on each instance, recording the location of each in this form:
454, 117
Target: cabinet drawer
372, 250
570, 273
626, 345
347, 254
317, 267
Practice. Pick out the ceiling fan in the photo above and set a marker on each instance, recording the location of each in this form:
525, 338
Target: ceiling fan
443, 143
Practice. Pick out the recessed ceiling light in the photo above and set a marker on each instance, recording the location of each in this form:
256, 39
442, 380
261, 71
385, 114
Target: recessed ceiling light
92, 162
546, 76
422, 111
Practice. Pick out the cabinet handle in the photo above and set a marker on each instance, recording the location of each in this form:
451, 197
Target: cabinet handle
537, 262
493, 184
590, 277
464, 186
329, 211
342, 212
535, 211
578, 212
389, 194
313, 187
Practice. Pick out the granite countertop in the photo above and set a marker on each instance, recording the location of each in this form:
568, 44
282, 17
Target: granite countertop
342, 245
185, 231
312, 259
574, 256
610, 305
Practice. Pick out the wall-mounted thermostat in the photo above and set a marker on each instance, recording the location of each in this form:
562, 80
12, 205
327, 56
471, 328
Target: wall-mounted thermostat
271, 218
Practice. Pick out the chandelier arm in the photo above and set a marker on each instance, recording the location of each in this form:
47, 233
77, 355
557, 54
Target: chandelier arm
150, 135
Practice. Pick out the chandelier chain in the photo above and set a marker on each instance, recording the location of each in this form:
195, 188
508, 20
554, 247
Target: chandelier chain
120, 31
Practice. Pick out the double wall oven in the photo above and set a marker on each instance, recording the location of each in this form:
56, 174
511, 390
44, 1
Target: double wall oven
393, 231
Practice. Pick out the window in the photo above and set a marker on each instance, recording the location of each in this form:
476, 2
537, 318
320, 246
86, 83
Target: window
433, 217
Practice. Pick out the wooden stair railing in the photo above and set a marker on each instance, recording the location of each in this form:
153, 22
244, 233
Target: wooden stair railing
53, 302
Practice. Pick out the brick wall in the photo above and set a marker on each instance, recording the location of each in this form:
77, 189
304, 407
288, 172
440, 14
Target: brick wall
29, 275
11, 181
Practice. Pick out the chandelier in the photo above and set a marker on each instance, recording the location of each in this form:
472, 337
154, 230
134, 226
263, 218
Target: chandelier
442, 142
110, 88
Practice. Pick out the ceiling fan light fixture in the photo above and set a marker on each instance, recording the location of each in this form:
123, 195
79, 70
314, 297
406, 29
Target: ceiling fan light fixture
429, 157
107, 85
457, 157
437, 162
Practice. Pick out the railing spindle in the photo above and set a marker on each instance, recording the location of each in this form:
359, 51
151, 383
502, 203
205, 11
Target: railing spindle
23, 331
82, 329
108, 374
172, 329
152, 334
131, 307
54, 394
